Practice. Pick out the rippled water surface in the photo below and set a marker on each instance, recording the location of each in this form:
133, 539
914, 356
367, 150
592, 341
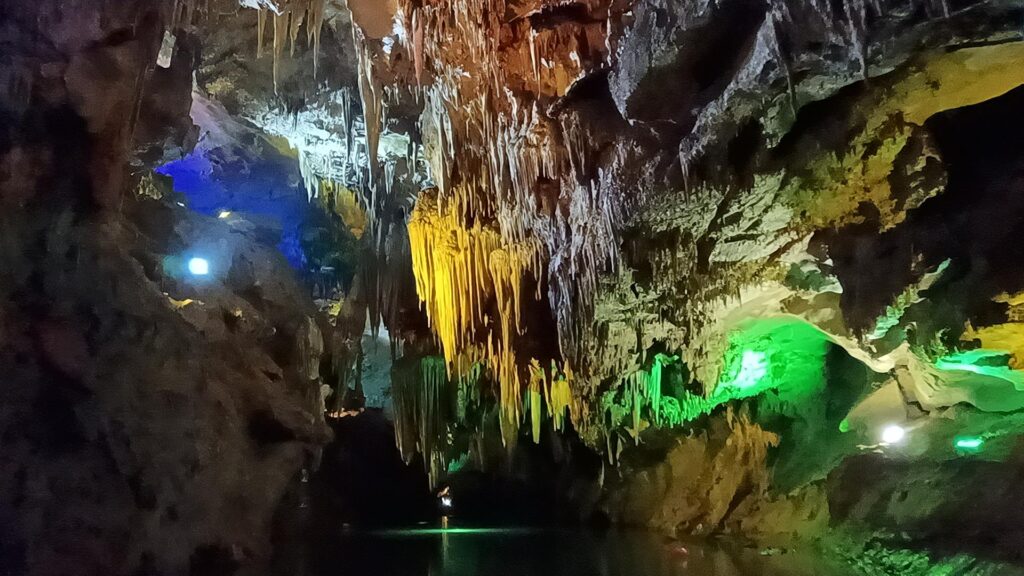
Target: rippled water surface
424, 551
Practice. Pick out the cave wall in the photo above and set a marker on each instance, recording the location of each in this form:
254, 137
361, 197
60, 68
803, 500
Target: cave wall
151, 420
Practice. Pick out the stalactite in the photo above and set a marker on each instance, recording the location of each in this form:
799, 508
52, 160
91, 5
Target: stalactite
457, 271
370, 92
515, 201
642, 395
422, 400
345, 203
280, 31
314, 28
293, 31
261, 25
469, 382
550, 396
450, 264
776, 16
561, 399
176, 14
536, 409
856, 18
417, 44
287, 22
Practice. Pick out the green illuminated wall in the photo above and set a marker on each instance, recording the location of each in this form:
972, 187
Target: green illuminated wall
782, 355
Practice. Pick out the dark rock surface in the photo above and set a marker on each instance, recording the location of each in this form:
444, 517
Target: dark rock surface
145, 430
151, 421
363, 482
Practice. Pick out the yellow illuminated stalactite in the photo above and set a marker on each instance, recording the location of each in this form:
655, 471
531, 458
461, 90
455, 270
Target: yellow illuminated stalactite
450, 263
457, 271
506, 372
536, 388
344, 202
506, 271
561, 400
553, 387
507, 199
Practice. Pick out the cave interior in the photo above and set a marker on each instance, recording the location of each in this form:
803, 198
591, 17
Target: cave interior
573, 288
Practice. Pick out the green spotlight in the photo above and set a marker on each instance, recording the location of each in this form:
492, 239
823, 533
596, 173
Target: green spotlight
968, 443
753, 367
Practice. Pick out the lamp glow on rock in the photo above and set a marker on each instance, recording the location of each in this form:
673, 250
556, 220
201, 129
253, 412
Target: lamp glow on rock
199, 266
968, 443
893, 434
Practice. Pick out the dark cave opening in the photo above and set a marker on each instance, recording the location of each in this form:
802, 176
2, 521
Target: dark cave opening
976, 219
972, 222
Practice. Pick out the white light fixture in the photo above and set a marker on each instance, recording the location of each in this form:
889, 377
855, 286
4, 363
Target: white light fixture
893, 434
446, 501
199, 266
224, 214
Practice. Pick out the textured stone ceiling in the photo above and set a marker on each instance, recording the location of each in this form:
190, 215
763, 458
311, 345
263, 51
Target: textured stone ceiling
624, 175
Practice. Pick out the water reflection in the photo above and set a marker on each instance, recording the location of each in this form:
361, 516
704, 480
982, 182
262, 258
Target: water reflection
522, 552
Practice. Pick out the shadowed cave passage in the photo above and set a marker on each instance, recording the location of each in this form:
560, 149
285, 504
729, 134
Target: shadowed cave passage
511, 287
972, 223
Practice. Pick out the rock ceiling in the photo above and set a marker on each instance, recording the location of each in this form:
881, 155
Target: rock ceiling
577, 185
